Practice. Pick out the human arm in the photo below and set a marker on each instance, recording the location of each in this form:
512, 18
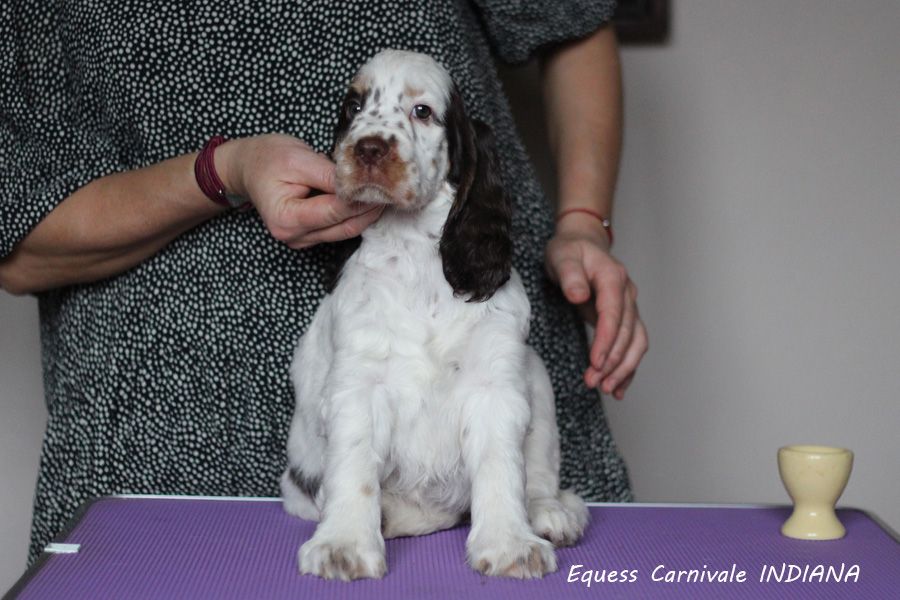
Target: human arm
582, 93
115, 222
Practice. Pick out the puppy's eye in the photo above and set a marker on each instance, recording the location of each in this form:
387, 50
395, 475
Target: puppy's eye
421, 112
351, 107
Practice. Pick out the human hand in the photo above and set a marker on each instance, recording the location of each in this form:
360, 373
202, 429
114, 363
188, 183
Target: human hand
277, 173
578, 259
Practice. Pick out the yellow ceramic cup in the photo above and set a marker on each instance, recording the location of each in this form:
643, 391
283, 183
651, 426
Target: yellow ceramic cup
815, 477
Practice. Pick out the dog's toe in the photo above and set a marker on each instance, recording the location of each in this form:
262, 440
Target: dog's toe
526, 557
342, 560
560, 520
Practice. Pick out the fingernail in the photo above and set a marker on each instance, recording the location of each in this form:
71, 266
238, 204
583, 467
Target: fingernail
587, 379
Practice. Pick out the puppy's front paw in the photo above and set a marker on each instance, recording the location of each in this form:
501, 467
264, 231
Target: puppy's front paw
560, 520
347, 560
523, 557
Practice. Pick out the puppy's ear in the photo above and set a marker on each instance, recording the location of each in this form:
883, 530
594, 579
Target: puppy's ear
476, 248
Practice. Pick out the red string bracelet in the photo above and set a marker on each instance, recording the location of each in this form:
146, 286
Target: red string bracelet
604, 221
208, 179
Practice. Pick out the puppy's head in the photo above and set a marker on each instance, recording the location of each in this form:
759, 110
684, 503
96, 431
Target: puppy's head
391, 146
402, 132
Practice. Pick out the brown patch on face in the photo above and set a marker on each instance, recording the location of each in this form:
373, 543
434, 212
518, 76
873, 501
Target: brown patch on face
394, 169
367, 490
412, 92
387, 178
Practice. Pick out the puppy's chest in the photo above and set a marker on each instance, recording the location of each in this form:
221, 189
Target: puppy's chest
396, 305
411, 336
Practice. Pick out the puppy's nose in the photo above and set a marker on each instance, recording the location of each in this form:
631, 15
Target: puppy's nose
370, 150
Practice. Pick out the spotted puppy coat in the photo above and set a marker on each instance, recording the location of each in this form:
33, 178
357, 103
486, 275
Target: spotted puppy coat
418, 401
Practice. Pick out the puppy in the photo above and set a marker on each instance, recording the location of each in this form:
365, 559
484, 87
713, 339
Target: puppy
418, 401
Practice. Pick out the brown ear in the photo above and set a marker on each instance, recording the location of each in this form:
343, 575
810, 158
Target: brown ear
476, 248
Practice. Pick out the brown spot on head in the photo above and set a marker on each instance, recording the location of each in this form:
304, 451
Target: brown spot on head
361, 83
411, 92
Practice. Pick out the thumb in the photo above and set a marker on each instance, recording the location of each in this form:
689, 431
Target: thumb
317, 173
572, 279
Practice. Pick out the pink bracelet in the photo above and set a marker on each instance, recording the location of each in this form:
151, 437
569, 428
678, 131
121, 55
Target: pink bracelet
604, 221
208, 179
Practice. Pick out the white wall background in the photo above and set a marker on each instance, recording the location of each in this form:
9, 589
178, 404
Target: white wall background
758, 212
22, 417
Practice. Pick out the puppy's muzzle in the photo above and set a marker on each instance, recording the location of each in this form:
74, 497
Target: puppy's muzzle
370, 151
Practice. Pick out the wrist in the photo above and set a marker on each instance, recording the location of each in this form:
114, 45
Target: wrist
585, 222
206, 173
228, 166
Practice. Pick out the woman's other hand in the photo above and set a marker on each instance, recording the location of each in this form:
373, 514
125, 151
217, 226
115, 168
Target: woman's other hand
578, 259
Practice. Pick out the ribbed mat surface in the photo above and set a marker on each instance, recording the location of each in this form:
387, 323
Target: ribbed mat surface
196, 549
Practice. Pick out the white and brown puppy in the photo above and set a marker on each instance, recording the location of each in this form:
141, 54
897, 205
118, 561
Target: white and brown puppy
418, 399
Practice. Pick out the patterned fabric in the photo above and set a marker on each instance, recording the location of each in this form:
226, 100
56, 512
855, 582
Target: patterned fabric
172, 377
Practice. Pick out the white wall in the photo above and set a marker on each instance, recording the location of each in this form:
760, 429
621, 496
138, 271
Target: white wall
22, 417
758, 212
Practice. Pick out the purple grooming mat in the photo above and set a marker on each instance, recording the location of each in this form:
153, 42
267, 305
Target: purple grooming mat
147, 547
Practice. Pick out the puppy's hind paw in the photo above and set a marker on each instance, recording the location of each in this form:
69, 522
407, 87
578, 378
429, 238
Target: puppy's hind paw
341, 560
560, 520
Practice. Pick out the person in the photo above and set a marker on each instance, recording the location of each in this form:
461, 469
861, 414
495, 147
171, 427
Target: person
168, 321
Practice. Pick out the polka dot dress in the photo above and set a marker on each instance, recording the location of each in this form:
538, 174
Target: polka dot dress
172, 377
